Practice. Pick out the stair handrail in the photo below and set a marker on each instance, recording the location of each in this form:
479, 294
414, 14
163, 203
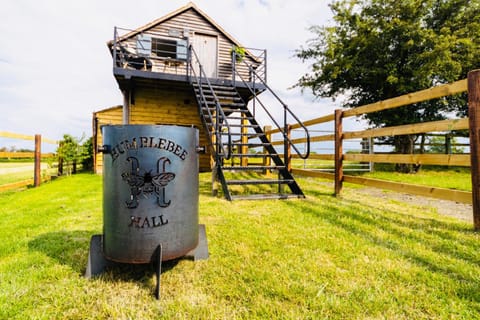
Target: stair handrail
219, 111
286, 110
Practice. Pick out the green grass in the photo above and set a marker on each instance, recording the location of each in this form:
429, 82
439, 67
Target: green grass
323, 257
458, 178
21, 171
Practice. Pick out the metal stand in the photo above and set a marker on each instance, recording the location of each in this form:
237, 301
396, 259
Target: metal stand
201, 251
158, 270
97, 262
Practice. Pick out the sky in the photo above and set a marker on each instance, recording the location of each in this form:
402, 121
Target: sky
56, 70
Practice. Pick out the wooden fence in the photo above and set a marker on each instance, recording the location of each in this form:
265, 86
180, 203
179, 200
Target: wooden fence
471, 85
36, 155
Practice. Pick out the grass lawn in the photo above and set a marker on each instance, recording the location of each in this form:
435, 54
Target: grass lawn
323, 257
16, 171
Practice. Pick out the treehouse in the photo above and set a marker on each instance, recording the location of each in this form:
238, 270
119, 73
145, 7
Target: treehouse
184, 69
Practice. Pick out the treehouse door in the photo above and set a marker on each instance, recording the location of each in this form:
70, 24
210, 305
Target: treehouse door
206, 48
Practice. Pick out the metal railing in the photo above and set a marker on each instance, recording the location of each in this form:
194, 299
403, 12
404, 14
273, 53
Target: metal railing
146, 49
259, 62
283, 129
219, 116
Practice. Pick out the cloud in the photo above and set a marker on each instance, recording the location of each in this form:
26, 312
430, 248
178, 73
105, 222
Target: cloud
55, 69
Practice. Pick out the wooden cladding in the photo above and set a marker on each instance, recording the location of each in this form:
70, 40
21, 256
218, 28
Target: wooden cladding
188, 25
155, 106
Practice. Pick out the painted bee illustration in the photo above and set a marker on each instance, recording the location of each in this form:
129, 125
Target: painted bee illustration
141, 181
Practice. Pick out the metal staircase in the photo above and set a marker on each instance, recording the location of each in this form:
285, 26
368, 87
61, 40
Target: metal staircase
234, 133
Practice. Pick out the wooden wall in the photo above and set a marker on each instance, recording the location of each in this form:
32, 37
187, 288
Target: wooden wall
156, 106
194, 23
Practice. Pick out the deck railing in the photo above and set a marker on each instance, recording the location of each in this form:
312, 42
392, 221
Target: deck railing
155, 52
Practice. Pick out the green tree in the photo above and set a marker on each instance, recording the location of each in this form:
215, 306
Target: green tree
446, 144
380, 49
87, 154
72, 152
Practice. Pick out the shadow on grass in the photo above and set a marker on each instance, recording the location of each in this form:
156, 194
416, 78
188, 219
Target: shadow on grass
402, 234
66, 247
71, 248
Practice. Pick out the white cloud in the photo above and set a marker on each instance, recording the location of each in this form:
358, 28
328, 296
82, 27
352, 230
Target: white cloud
55, 69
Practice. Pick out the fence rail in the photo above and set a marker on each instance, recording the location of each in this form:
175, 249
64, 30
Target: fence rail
471, 86
36, 155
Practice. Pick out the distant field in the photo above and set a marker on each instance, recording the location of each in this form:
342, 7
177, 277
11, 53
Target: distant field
17, 171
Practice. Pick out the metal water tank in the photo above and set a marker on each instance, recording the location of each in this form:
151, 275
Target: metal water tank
150, 191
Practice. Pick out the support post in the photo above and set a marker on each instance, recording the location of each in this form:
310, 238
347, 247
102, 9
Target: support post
37, 176
267, 160
288, 149
158, 270
126, 107
338, 152
244, 141
474, 128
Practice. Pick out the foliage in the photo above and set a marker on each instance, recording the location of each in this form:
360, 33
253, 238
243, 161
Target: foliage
239, 53
379, 49
71, 152
87, 154
321, 258
438, 144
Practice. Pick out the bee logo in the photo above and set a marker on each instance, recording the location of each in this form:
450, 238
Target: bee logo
147, 183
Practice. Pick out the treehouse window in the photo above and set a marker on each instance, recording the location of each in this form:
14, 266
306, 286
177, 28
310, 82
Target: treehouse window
168, 48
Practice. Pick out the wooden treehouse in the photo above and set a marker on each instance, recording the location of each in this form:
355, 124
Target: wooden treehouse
184, 69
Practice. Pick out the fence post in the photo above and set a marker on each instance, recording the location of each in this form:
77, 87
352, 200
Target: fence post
474, 128
37, 177
338, 152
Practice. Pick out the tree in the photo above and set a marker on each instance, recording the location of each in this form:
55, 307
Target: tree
71, 152
87, 154
380, 49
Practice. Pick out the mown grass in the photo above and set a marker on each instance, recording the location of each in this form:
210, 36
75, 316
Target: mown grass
16, 171
323, 257
451, 178
458, 178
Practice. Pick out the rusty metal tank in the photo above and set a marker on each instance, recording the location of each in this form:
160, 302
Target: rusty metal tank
150, 191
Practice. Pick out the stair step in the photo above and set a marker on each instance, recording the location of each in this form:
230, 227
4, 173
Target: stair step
249, 135
256, 182
229, 110
253, 168
208, 93
237, 118
254, 155
225, 104
206, 87
273, 196
251, 144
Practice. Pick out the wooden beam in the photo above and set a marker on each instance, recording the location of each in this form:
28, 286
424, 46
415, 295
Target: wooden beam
11, 135
438, 193
314, 174
315, 121
411, 98
308, 123
315, 156
16, 185
433, 159
474, 120
442, 125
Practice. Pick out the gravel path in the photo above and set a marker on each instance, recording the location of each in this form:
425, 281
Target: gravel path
450, 208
